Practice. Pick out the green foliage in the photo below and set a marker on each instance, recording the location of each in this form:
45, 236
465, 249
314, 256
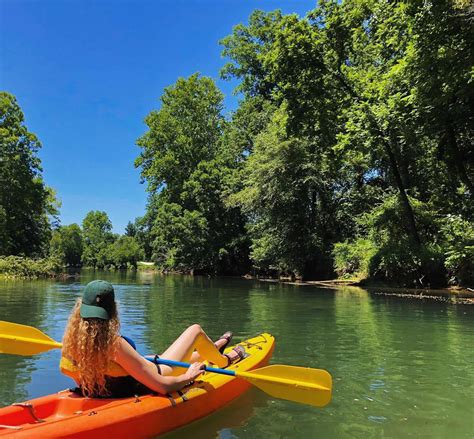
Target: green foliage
459, 249
278, 178
182, 133
131, 229
388, 252
181, 241
409, 266
247, 47
27, 205
439, 68
370, 105
20, 267
141, 229
352, 259
188, 167
125, 251
66, 244
384, 223
97, 235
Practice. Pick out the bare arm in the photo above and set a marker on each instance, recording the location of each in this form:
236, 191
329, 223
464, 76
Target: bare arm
145, 372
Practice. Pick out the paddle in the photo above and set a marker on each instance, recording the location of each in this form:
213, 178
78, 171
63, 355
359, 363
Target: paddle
298, 384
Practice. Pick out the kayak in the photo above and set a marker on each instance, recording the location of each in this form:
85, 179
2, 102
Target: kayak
66, 414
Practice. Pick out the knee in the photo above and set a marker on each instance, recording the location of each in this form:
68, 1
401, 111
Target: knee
195, 329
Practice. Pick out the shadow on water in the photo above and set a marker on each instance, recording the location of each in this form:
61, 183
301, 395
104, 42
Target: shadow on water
220, 424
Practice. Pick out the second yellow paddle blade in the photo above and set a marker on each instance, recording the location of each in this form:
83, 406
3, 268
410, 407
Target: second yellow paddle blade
24, 340
293, 383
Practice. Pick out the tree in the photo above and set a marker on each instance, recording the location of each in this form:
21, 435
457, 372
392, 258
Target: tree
131, 229
184, 132
286, 224
66, 243
367, 99
289, 177
125, 251
27, 205
458, 235
142, 230
440, 69
186, 167
97, 234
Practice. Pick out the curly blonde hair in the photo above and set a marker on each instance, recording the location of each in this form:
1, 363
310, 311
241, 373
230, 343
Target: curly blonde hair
91, 345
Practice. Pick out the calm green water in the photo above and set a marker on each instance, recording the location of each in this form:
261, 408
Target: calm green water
401, 368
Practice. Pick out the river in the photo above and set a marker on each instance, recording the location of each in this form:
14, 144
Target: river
401, 367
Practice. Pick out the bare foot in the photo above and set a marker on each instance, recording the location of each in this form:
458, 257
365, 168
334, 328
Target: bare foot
236, 354
223, 341
219, 343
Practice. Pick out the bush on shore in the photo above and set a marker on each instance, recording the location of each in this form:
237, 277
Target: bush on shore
458, 236
27, 268
352, 259
386, 253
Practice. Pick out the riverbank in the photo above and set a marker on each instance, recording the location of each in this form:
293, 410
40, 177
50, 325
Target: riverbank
18, 267
457, 295
21, 268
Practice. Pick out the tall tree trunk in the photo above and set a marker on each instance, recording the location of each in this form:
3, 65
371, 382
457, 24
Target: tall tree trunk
409, 215
457, 157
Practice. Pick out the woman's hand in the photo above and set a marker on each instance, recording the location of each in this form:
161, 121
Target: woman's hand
194, 371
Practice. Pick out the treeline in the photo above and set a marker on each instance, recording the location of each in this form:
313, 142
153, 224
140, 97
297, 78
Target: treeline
32, 243
350, 152
94, 245
28, 208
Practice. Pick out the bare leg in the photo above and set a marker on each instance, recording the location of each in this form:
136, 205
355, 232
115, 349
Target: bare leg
195, 355
182, 349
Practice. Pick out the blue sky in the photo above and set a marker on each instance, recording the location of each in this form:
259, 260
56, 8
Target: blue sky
86, 73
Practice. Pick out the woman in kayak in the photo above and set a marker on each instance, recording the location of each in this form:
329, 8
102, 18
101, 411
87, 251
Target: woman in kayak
105, 364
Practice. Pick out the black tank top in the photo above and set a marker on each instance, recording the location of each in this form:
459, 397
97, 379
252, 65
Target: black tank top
122, 387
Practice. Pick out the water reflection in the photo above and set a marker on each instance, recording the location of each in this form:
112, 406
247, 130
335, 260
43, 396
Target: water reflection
20, 303
401, 368
220, 424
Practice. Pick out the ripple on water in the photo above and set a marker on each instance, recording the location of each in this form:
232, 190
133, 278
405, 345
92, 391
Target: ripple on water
400, 368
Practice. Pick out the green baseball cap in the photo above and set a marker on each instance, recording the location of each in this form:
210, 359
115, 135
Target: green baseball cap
98, 300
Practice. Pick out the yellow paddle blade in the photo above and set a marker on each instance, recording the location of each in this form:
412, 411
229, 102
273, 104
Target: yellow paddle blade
293, 383
24, 340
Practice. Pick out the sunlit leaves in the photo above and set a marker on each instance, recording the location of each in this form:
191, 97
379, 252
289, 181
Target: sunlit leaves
188, 162
27, 205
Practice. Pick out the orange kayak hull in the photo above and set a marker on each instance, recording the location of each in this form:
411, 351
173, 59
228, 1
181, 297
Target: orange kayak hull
66, 414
